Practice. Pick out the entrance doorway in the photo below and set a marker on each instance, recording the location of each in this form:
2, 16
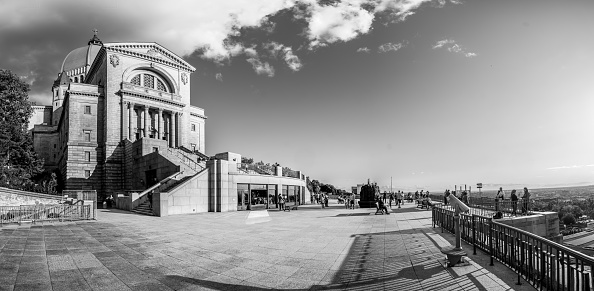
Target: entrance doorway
151, 177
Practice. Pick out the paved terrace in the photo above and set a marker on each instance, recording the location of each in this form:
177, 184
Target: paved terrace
308, 249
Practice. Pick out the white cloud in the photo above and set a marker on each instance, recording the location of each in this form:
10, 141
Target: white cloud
286, 53
399, 9
570, 167
219, 77
441, 43
363, 50
386, 47
292, 60
261, 68
340, 22
209, 27
453, 47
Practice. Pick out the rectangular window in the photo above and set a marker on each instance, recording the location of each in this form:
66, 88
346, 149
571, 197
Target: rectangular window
87, 109
193, 127
193, 147
87, 173
87, 136
155, 149
88, 156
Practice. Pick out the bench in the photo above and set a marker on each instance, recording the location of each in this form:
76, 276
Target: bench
289, 208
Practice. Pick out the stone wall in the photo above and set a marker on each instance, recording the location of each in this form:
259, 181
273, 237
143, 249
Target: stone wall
545, 224
190, 197
10, 197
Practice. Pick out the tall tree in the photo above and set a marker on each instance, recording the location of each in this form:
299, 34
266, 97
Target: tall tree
18, 160
316, 186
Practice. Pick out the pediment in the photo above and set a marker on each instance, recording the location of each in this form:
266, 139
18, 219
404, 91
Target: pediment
151, 52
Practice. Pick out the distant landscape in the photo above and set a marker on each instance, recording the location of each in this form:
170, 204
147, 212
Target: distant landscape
564, 194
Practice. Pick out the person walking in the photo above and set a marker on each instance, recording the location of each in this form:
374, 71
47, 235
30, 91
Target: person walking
514, 200
391, 199
149, 197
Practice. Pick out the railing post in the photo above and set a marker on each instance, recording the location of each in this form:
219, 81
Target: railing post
521, 264
491, 240
586, 281
542, 269
551, 281
474, 234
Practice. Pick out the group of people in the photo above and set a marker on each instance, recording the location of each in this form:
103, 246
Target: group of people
321, 199
500, 197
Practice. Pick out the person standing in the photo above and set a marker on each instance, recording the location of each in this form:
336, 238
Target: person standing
500, 194
282, 202
514, 200
525, 201
391, 199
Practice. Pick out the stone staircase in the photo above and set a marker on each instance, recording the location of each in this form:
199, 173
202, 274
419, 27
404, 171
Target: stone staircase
144, 209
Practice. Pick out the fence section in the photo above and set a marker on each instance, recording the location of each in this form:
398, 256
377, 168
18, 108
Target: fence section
45, 213
546, 265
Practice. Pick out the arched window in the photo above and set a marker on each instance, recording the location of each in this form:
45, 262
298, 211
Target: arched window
150, 80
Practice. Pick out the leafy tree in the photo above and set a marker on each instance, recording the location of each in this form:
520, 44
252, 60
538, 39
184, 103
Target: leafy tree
246, 160
569, 219
18, 160
328, 188
316, 186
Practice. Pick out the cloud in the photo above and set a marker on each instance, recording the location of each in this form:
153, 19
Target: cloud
219, 77
453, 47
386, 47
441, 43
570, 167
36, 35
342, 21
363, 50
286, 53
261, 68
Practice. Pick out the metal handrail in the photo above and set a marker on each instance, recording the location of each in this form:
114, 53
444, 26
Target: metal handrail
543, 263
186, 160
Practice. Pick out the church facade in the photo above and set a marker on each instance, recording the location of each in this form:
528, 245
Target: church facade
113, 105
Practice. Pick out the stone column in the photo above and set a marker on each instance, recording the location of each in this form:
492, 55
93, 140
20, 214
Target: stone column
141, 128
147, 121
173, 129
180, 128
131, 121
160, 133
124, 120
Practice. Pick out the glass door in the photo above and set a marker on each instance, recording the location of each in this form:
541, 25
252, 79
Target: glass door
242, 197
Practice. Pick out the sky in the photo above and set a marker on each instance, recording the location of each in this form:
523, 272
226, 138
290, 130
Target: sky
421, 94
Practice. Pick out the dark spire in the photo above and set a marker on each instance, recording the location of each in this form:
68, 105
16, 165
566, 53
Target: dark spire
95, 40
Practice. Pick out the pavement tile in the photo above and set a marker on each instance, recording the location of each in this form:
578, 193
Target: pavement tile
184, 252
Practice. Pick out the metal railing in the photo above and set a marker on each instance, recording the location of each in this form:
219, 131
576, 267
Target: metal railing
45, 213
544, 264
256, 169
186, 160
290, 173
490, 206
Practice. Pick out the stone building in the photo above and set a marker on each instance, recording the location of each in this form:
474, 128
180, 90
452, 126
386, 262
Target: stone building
112, 104
121, 123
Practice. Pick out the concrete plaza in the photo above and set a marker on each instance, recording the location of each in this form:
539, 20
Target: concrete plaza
307, 249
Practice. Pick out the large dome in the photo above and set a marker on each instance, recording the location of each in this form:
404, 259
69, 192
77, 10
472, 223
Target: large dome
78, 57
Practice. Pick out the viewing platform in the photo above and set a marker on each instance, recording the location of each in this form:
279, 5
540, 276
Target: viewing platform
308, 249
